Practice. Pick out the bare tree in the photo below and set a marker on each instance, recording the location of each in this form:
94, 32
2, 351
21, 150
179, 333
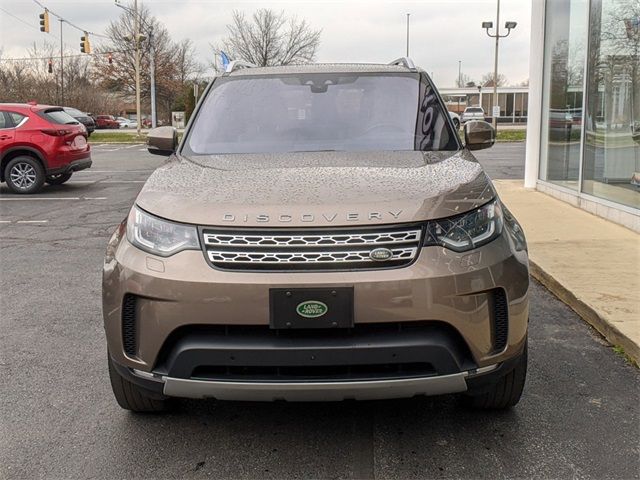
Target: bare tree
174, 63
487, 80
269, 38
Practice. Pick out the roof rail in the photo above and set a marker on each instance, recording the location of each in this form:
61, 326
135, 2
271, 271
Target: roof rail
236, 64
404, 61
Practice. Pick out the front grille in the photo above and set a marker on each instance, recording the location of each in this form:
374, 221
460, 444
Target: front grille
310, 250
500, 314
129, 324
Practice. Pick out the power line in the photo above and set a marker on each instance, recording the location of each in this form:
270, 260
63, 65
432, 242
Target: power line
97, 54
68, 22
18, 18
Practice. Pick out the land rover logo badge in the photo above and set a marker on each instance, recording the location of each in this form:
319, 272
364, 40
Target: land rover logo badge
312, 309
380, 254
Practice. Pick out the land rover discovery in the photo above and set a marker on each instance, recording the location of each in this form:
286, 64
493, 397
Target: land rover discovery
319, 233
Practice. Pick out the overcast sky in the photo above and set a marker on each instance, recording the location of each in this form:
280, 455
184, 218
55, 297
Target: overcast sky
442, 31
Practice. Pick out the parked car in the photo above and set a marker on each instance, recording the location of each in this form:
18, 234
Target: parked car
126, 123
455, 118
38, 144
84, 118
107, 121
320, 233
472, 113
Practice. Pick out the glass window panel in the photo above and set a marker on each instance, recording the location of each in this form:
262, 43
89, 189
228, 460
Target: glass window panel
612, 124
565, 38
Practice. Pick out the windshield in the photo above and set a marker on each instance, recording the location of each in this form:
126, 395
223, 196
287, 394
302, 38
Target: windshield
474, 110
319, 112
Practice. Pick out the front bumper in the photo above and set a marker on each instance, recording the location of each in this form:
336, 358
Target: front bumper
472, 381
179, 297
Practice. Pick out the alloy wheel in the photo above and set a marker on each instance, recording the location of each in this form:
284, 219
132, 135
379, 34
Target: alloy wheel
23, 175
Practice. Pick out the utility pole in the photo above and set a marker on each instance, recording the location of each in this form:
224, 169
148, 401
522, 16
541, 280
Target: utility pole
408, 14
136, 34
61, 67
459, 73
152, 68
495, 70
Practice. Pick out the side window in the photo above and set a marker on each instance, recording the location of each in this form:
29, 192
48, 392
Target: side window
17, 118
432, 129
4, 123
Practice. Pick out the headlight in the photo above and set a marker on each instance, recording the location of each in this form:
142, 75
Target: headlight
467, 231
158, 236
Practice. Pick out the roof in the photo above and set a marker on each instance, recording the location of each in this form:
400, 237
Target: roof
321, 68
28, 106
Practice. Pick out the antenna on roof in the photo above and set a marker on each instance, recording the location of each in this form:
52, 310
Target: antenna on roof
237, 64
405, 62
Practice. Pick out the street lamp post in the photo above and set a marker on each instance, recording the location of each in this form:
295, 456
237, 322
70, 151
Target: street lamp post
408, 14
152, 68
488, 25
136, 38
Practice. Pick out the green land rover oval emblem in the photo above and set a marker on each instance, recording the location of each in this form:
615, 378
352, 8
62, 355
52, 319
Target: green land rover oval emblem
311, 309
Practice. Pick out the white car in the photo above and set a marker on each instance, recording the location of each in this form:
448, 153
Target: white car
472, 113
126, 123
455, 118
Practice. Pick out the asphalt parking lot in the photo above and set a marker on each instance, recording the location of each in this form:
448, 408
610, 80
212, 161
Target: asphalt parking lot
579, 417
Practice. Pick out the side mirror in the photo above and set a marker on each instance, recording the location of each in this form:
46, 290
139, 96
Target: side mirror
162, 141
479, 135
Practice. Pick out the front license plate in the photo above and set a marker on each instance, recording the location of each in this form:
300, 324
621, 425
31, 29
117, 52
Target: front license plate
311, 307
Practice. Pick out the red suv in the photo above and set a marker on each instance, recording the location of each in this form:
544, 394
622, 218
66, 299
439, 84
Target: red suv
38, 144
107, 121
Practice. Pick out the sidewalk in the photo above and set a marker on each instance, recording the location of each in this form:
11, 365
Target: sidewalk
591, 264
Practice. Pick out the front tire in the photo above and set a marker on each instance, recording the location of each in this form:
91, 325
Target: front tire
504, 394
58, 179
131, 397
24, 175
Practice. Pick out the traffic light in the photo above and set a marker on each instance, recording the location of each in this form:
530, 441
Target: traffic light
50, 66
85, 46
44, 21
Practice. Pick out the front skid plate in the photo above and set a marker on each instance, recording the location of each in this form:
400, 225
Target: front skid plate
316, 391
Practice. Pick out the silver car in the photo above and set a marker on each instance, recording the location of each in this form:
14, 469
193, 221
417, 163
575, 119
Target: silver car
472, 113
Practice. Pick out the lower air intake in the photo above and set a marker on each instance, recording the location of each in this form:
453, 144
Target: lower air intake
129, 325
500, 314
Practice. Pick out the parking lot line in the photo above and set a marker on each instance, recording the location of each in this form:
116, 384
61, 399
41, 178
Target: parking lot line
121, 181
113, 171
31, 199
32, 221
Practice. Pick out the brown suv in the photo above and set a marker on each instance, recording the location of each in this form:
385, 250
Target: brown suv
320, 233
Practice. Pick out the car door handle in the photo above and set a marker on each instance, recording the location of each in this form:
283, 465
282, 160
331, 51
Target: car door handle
4, 137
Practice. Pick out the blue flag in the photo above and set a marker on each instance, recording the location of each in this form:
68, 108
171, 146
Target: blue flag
224, 59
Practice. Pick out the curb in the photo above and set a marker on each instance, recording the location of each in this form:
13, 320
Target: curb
609, 331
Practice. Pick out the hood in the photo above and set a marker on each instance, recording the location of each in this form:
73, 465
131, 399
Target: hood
316, 189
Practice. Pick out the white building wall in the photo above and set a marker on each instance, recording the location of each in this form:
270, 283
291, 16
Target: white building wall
536, 68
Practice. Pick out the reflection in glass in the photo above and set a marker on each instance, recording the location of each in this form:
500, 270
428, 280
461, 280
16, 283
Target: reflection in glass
565, 34
612, 125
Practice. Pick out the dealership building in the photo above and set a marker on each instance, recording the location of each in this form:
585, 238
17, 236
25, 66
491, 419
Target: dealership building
583, 130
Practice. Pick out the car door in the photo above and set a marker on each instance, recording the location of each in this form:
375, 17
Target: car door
7, 131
